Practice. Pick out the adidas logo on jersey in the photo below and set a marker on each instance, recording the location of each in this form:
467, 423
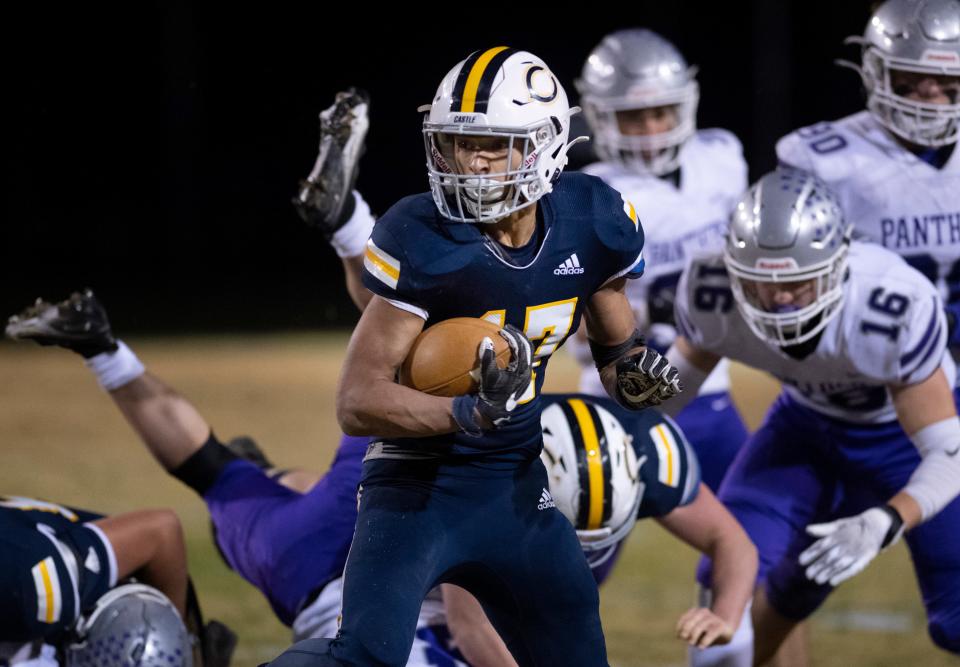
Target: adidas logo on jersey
546, 501
571, 267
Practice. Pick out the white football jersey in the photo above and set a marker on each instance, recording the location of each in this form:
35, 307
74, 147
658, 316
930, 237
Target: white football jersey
677, 222
891, 196
322, 619
891, 330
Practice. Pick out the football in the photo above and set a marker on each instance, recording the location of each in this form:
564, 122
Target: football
443, 359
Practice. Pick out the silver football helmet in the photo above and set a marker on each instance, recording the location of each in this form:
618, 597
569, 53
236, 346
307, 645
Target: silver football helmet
788, 228
593, 472
920, 36
503, 93
132, 626
638, 69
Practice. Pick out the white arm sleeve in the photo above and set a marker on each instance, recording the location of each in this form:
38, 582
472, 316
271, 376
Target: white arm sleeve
691, 379
936, 481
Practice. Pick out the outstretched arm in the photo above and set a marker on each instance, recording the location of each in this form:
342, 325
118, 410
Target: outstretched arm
706, 525
149, 544
846, 546
693, 365
633, 375
472, 633
369, 401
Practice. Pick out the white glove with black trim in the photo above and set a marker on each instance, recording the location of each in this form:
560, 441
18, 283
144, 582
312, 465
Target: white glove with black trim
847, 545
646, 379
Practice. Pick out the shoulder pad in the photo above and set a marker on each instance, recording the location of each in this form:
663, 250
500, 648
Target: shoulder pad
613, 218
669, 468
704, 300
831, 150
898, 329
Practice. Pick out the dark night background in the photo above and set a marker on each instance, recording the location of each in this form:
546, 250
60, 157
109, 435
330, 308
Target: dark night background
151, 150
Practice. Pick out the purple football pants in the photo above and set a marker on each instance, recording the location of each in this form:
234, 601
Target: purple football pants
800, 468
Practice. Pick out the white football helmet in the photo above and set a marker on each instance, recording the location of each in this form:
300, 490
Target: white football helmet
500, 92
921, 36
594, 474
788, 228
638, 69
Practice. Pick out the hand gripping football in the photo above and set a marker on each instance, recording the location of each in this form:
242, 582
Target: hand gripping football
443, 360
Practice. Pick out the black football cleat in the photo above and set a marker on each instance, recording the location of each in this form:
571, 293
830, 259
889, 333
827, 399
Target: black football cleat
325, 199
79, 323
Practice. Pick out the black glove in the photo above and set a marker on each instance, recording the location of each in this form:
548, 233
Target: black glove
646, 379
500, 388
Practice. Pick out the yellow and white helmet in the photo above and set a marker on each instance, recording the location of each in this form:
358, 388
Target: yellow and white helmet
593, 473
499, 92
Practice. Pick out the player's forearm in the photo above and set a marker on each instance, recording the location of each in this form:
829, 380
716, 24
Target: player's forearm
385, 408
472, 633
352, 273
481, 646
167, 423
693, 366
927, 413
150, 545
706, 525
734, 575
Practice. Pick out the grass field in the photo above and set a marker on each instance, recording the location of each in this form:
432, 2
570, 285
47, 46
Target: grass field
63, 441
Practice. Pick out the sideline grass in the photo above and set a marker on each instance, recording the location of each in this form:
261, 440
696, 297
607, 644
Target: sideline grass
64, 441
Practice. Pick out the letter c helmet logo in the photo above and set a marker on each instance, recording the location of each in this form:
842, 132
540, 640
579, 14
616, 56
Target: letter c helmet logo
535, 84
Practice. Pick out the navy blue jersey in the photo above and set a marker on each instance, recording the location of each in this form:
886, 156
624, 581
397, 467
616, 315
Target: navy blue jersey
438, 270
669, 469
53, 565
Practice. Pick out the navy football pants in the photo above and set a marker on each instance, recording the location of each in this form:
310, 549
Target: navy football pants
489, 531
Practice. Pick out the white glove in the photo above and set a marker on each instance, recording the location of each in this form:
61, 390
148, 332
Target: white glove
847, 545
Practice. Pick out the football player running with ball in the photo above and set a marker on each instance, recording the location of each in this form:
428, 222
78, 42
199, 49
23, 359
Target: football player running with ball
894, 166
640, 99
450, 490
862, 443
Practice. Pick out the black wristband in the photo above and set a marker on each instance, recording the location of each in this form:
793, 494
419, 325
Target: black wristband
604, 355
896, 525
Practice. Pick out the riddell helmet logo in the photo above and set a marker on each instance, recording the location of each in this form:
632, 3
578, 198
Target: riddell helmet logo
776, 264
932, 55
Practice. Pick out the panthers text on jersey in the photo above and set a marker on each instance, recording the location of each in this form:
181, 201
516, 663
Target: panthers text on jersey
891, 196
424, 264
891, 330
680, 217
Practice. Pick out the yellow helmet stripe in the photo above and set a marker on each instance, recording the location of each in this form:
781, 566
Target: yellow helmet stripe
475, 76
591, 444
